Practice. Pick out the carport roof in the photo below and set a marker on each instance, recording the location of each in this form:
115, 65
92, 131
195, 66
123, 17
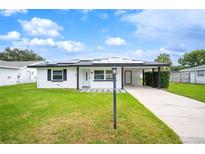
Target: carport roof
101, 62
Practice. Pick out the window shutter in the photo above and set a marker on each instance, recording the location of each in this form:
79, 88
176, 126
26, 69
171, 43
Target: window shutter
64, 74
49, 75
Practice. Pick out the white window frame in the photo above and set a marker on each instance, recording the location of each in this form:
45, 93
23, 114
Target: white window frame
57, 70
105, 75
106, 78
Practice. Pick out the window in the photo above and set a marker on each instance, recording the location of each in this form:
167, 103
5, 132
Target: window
57, 75
103, 75
200, 73
99, 74
109, 75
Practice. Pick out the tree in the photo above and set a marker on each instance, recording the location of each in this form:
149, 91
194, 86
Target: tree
176, 68
164, 58
194, 58
19, 55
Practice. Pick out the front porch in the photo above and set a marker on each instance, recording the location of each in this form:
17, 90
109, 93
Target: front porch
99, 79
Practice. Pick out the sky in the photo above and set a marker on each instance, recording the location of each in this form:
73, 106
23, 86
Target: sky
86, 34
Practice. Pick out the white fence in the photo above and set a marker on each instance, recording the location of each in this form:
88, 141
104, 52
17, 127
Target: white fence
183, 77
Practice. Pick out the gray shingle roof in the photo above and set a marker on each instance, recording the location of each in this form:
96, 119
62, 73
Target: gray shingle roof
16, 64
200, 67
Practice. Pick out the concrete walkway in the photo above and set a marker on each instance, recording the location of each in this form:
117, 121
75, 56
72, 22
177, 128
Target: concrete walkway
184, 115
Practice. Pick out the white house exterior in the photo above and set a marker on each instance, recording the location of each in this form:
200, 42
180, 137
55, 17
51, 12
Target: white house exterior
17, 72
196, 74
96, 73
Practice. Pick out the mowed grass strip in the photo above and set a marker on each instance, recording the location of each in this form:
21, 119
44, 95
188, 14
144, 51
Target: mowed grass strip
194, 91
31, 115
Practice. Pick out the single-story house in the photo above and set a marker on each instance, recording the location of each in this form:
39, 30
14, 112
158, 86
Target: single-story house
196, 74
17, 72
95, 73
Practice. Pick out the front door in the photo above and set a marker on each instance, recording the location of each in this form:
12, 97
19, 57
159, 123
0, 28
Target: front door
128, 77
86, 77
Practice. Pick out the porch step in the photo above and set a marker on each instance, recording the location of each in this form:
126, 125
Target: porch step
86, 87
101, 90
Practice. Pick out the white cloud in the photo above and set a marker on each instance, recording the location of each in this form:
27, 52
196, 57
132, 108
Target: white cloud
41, 27
68, 45
151, 54
115, 41
42, 42
104, 30
168, 25
100, 47
13, 35
86, 11
103, 16
119, 12
9, 12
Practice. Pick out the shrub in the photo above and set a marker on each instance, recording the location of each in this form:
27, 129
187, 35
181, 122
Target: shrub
164, 79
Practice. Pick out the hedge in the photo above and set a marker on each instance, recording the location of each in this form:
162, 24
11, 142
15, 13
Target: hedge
164, 79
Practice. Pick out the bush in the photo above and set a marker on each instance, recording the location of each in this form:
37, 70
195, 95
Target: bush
164, 79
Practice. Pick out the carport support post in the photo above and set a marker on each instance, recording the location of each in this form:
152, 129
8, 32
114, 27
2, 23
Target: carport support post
114, 97
143, 77
152, 77
78, 78
159, 80
122, 80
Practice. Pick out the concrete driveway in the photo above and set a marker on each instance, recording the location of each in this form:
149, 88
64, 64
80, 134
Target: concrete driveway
184, 115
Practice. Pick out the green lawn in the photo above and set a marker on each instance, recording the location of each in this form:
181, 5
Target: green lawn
31, 115
195, 91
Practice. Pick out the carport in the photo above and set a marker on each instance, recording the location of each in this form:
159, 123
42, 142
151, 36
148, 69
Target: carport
135, 76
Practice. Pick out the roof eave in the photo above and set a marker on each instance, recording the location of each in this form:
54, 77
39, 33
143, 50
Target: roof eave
101, 65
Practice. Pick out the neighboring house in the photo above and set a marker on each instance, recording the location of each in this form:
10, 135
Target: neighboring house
96, 73
190, 75
17, 72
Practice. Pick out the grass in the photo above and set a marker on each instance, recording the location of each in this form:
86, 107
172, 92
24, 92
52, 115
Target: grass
195, 91
31, 115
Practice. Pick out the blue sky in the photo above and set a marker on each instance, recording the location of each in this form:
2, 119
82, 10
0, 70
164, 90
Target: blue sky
68, 34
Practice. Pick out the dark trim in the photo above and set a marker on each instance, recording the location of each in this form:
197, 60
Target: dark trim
56, 80
101, 65
122, 83
152, 77
130, 76
143, 78
102, 80
64, 74
159, 78
49, 74
78, 78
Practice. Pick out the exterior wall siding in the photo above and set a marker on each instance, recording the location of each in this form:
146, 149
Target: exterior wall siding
99, 84
71, 82
17, 76
136, 76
